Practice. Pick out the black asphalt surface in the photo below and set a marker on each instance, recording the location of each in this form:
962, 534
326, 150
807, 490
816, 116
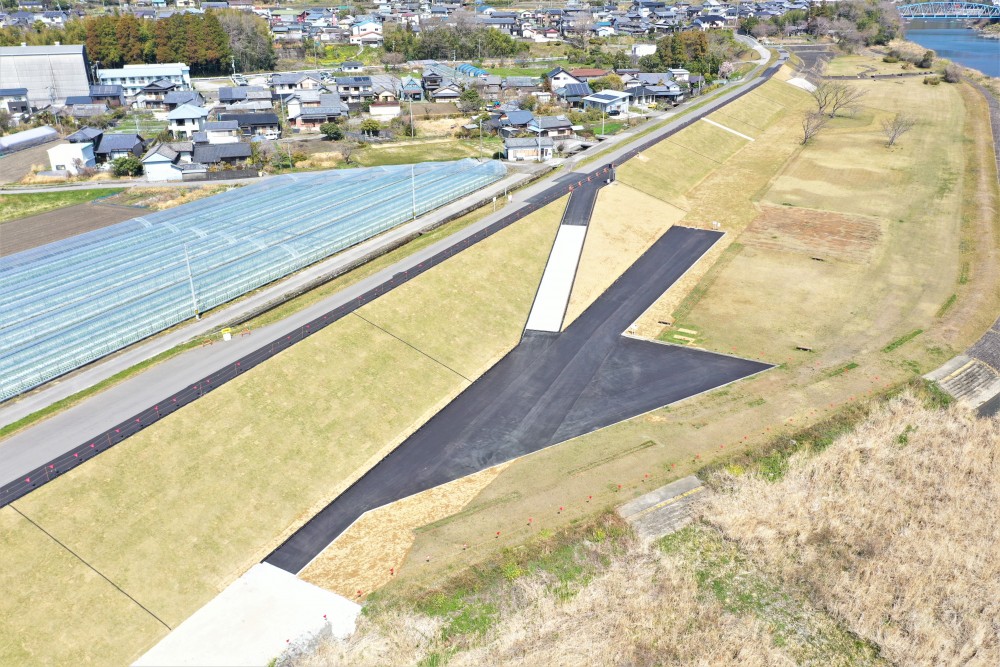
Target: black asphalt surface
550, 388
582, 199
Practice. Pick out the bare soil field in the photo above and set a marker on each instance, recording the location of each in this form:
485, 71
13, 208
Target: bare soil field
31, 232
820, 234
17, 165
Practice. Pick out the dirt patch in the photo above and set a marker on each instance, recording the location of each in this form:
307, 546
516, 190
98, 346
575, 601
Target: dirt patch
436, 126
31, 232
17, 165
369, 554
820, 234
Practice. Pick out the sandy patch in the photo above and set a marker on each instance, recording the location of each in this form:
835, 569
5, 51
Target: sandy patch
369, 553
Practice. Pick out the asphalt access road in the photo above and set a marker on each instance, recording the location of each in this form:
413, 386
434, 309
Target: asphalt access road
581, 202
550, 388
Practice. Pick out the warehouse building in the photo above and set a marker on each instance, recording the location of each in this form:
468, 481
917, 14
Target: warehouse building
50, 74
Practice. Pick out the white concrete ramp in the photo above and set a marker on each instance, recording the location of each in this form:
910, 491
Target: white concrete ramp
552, 298
253, 621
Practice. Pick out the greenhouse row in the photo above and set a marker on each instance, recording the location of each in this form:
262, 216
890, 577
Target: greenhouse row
68, 303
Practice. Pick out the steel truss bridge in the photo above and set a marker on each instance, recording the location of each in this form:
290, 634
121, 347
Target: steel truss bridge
949, 10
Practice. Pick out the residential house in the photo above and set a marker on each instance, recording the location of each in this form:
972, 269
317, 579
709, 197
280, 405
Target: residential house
218, 132
354, 89
585, 74
85, 111
709, 22
611, 102
176, 98
86, 135
514, 122
169, 162
352, 67
490, 87
72, 158
213, 154
309, 109
256, 124
573, 94
113, 96
151, 96
410, 89
557, 127
667, 93
431, 81
14, 100
185, 120
284, 84
448, 93
113, 146
517, 149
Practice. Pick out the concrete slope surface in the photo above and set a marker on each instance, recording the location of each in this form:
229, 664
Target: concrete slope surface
551, 388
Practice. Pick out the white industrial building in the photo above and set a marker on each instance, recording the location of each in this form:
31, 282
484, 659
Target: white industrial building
133, 78
50, 74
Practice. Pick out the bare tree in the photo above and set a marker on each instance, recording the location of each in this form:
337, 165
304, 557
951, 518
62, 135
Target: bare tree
763, 29
347, 150
832, 96
895, 127
812, 123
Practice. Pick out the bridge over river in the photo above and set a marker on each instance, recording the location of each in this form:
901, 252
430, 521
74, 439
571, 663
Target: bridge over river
949, 10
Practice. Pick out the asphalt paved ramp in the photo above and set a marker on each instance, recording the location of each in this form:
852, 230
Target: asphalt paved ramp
552, 387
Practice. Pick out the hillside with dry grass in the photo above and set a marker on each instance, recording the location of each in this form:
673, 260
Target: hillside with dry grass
877, 548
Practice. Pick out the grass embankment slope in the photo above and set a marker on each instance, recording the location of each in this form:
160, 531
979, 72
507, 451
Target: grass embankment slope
870, 549
918, 228
13, 206
176, 512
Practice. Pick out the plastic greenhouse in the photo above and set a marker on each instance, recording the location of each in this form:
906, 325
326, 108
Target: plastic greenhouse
68, 303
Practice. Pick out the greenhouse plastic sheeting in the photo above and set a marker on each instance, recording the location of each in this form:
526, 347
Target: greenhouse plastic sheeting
68, 303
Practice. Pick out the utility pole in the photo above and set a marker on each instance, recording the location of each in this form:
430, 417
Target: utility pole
413, 191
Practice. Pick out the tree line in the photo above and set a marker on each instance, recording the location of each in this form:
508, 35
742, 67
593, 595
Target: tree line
206, 42
852, 22
697, 51
463, 41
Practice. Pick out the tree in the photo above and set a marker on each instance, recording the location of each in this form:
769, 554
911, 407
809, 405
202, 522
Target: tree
952, 74
832, 96
126, 166
331, 131
763, 29
895, 127
927, 61
812, 123
5, 119
370, 126
347, 150
612, 81
249, 40
470, 100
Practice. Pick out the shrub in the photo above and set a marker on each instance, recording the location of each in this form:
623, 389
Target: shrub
890, 59
952, 74
126, 166
932, 80
331, 131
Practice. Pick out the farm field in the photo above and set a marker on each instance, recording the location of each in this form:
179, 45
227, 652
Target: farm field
454, 149
36, 230
869, 306
180, 510
14, 205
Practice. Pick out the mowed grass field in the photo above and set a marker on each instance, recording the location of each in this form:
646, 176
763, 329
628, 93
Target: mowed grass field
874, 284
13, 206
436, 151
174, 514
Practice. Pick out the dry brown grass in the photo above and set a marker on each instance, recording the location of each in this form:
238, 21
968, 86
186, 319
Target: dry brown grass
888, 528
642, 609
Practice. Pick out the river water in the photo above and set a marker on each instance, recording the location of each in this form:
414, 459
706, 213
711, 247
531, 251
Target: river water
958, 43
